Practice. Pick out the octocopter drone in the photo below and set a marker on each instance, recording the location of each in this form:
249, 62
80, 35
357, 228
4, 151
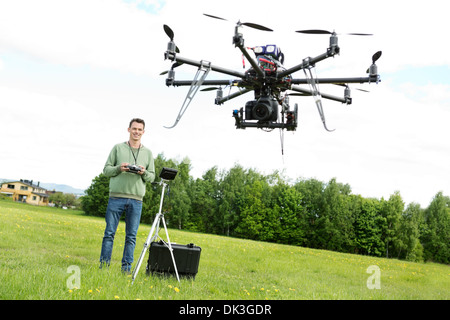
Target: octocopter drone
270, 81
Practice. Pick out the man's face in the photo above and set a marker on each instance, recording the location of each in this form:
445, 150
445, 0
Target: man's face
136, 131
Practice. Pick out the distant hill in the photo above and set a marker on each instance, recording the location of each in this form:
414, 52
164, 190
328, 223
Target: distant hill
61, 188
53, 186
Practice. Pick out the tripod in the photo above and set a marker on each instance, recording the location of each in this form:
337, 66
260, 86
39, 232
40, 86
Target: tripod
154, 233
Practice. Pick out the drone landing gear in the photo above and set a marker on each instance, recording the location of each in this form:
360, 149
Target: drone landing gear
199, 78
313, 84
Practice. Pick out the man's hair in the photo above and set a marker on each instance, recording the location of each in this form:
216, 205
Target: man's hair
136, 120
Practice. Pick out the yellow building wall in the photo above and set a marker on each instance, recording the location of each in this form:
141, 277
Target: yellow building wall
22, 191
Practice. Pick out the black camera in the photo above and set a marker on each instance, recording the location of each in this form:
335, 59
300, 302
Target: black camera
134, 168
263, 109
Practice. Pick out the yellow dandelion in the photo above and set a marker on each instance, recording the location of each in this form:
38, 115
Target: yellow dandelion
176, 289
90, 291
116, 297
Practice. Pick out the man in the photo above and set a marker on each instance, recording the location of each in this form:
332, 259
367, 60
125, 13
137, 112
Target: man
126, 191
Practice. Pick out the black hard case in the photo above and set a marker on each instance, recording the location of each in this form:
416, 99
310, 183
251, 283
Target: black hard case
187, 258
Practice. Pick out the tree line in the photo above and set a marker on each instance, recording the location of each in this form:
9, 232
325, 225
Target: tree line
244, 203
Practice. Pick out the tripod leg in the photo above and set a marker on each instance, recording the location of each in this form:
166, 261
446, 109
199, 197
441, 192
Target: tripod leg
151, 236
138, 264
170, 248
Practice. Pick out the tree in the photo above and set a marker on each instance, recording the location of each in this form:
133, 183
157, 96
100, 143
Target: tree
95, 201
203, 207
337, 232
368, 227
392, 212
204, 194
64, 199
258, 221
290, 211
436, 234
312, 204
176, 202
231, 197
412, 219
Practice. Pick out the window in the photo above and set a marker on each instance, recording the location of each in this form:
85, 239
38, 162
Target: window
11, 186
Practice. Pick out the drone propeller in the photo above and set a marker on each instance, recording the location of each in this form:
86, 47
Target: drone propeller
318, 31
214, 17
255, 26
346, 85
299, 94
373, 67
210, 89
314, 31
247, 24
376, 56
175, 65
169, 32
171, 35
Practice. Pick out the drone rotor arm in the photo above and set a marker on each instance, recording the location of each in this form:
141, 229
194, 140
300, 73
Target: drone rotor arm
327, 96
359, 80
195, 63
309, 62
180, 83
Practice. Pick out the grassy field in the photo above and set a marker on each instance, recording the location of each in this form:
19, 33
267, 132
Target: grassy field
42, 250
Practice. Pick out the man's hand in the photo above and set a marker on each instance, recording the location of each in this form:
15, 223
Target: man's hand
124, 167
142, 170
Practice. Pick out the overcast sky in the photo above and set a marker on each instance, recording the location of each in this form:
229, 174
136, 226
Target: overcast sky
73, 74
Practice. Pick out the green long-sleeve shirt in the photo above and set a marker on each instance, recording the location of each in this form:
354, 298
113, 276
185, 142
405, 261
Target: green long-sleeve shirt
126, 184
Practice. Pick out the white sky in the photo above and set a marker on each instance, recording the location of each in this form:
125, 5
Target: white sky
73, 73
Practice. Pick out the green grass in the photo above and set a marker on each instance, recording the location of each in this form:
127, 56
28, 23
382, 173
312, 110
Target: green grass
38, 245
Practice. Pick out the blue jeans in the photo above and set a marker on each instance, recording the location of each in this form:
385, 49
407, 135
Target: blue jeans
132, 209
